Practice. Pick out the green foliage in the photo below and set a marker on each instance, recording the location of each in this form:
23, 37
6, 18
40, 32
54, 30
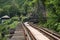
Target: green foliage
6, 25
16, 7
13, 25
53, 14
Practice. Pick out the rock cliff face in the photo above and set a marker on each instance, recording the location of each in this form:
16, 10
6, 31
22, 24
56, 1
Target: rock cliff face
34, 18
41, 10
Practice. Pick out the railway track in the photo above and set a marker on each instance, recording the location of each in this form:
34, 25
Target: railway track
28, 34
49, 34
32, 32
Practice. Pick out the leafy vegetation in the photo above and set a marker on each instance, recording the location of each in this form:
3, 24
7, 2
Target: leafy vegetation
52, 14
6, 26
49, 14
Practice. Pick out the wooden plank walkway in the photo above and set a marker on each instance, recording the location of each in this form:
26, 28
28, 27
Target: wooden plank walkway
19, 34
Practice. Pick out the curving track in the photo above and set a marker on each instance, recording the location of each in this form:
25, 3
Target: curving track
28, 31
37, 34
51, 35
